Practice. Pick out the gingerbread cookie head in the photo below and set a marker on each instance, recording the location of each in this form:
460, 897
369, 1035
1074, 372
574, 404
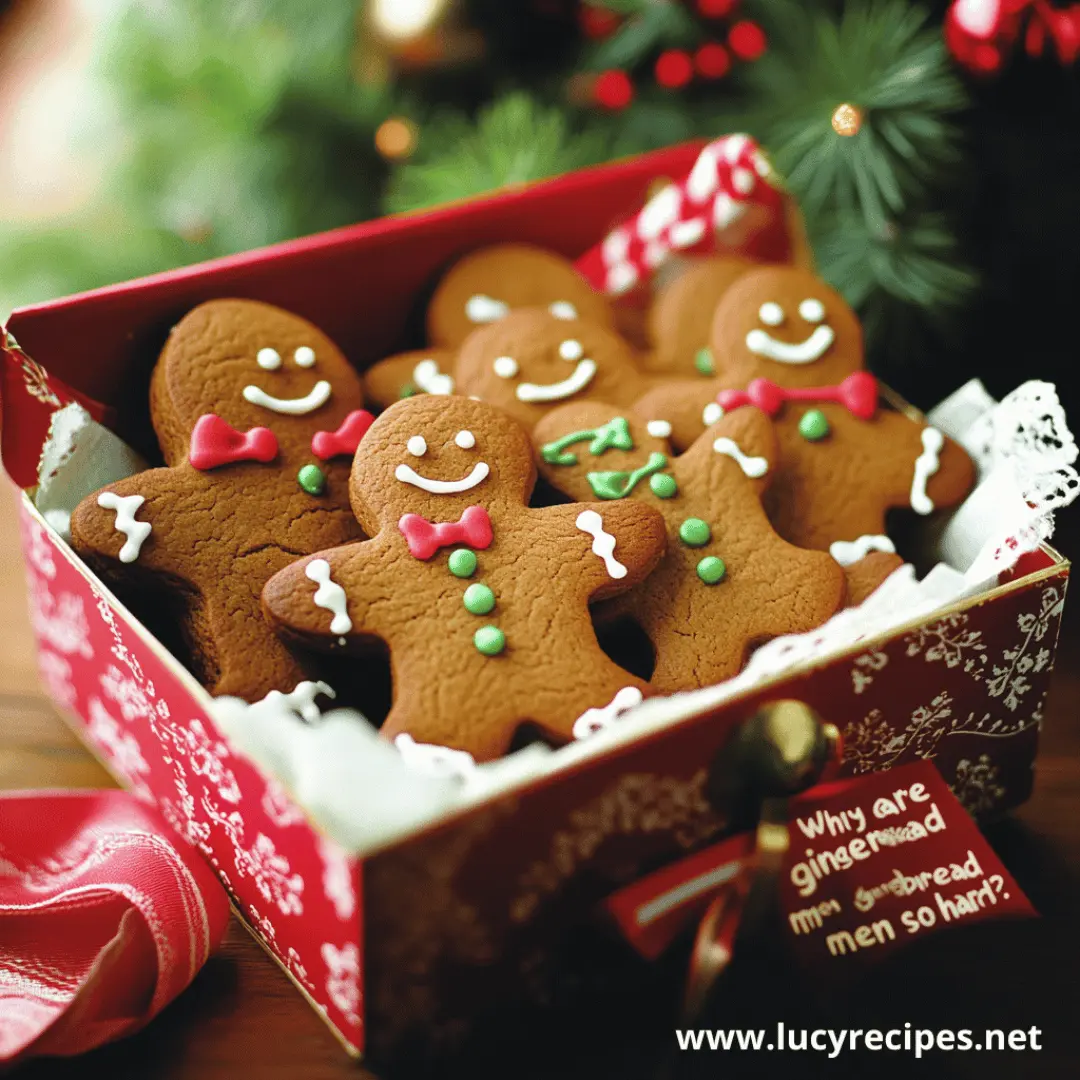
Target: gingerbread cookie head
490, 283
787, 326
681, 316
420, 371
533, 361
253, 366
437, 457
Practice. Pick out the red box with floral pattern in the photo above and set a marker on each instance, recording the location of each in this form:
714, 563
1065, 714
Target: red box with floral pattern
413, 939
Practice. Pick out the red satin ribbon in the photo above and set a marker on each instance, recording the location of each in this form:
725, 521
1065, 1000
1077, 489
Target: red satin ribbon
343, 442
424, 538
858, 393
104, 919
215, 442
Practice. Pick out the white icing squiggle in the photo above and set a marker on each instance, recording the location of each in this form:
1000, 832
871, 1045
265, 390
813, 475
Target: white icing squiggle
319, 396
926, 464
431, 380
593, 721
135, 531
846, 552
589, 521
581, 378
301, 699
484, 309
408, 475
754, 467
329, 595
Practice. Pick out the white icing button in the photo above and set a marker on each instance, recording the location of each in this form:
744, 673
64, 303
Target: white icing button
563, 309
505, 367
465, 439
771, 314
268, 359
658, 429
304, 356
711, 413
812, 310
417, 446
571, 350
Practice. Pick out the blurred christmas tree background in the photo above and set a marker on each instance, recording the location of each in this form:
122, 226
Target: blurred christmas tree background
940, 200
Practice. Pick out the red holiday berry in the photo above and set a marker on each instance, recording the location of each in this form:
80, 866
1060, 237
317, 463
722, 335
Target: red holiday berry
597, 23
716, 9
674, 69
747, 40
712, 61
613, 90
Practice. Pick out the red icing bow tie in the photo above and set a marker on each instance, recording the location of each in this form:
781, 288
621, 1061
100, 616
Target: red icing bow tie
424, 538
343, 442
858, 393
215, 443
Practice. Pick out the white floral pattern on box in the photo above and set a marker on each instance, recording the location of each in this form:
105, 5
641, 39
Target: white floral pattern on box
297, 896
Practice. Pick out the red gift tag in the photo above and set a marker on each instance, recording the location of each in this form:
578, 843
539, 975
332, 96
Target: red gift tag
884, 859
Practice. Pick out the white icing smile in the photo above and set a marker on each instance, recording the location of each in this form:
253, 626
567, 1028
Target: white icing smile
408, 475
804, 352
319, 396
583, 375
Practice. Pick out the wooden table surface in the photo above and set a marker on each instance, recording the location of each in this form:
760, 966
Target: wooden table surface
242, 1017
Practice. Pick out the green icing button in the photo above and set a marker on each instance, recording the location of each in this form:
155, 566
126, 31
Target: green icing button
694, 532
479, 600
813, 426
703, 361
489, 640
462, 563
312, 479
663, 486
711, 570
407, 391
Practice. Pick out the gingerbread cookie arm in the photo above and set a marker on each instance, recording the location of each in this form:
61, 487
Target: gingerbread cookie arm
130, 522
746, 437
615, 545
683, 404
928, 471
423, 371
330, 598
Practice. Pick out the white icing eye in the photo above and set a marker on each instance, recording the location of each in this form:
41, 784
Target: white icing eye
812, 310
485, 309
417, 446
771, 314
711, 413
571, 350
304, 356
465, 439
505, 367
268, 359
658, 429
563, 309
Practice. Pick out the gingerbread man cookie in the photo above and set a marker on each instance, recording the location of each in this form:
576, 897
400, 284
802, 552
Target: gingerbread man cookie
258, 415
681, 316
727, 581
788, 344
422, 371
532, 361
490, 283
481, 601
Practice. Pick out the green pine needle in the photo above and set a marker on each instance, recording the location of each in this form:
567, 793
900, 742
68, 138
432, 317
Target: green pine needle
514, 140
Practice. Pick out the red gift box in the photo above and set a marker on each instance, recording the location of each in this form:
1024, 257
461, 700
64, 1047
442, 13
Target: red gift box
416, 939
